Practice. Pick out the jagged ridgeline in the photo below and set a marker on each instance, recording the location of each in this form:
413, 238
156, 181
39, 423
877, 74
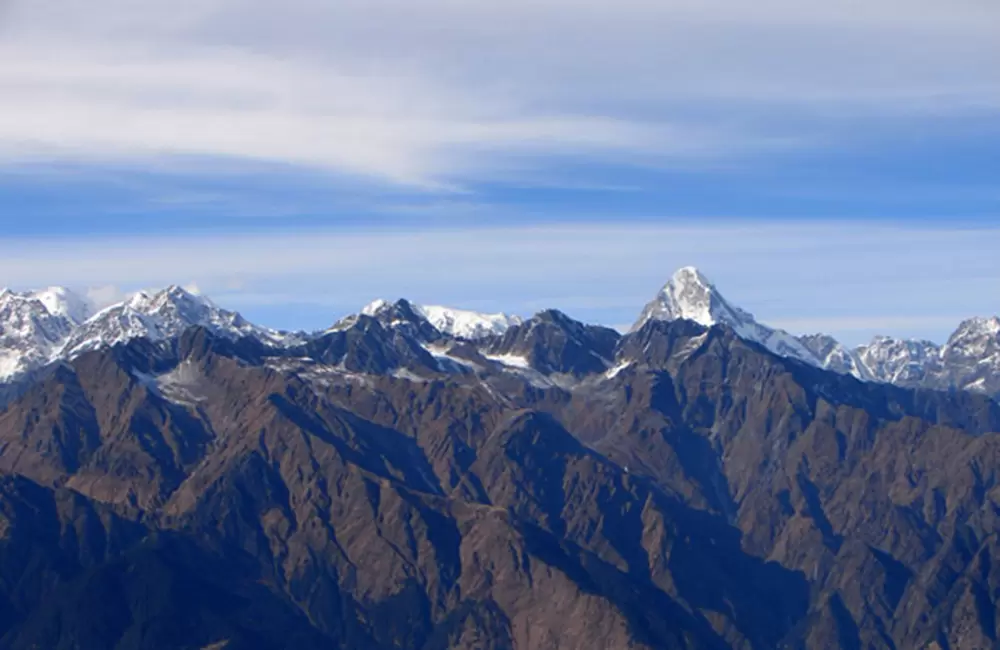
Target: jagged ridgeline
173, 476
43, 327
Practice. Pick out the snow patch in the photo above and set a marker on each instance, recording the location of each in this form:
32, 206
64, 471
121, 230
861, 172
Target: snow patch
409, 375
318, 374
977, 385
511, 360
448, 363
10, 364
613, 372
180, 386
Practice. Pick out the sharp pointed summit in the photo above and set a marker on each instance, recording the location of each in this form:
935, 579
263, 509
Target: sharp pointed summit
689, 295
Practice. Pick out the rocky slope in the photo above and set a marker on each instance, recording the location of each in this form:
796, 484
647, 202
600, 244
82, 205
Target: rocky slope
388, 485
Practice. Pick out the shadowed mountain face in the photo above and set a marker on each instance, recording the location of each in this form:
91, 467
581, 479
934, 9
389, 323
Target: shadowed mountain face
554, 486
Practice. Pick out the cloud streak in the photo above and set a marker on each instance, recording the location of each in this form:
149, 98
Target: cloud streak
244, 107
440, 94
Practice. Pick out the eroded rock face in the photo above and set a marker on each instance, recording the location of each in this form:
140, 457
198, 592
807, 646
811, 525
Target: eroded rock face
556, 486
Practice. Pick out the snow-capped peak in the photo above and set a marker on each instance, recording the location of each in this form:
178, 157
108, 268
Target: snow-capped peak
459, 323
32, 325
976, 340
689, 295
37, 328
159, 315
60, 301
374, 307
970, 359
976, 327
467, 324
834, 355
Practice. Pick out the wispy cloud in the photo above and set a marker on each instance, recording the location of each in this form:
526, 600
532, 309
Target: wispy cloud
439, 93
86, 105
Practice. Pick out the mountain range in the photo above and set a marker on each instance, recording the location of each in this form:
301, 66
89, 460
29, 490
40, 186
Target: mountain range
38, 328
173, 476
969, 360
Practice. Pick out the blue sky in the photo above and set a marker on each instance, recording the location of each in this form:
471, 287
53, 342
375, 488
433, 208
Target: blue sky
830, 167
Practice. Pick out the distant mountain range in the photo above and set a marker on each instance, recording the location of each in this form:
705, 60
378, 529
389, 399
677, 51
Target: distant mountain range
969, 360
422, 478
38, 328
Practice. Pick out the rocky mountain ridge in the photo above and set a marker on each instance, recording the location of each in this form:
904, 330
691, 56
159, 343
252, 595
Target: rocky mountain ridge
969, 360
383, 485
40, 328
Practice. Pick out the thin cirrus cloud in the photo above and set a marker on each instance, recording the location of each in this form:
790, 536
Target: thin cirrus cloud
806, 277
441, 94
97, 110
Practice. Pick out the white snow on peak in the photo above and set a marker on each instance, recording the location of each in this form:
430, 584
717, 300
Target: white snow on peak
972, 352
60, 301
834, 355
374, 307
160, 315
689, 295
977, 329
461, 323
467, 324
37, 328
33, 325
975, 347
970, 360
899, 361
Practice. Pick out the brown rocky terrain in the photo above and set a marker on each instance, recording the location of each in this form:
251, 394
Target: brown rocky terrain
555, 487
